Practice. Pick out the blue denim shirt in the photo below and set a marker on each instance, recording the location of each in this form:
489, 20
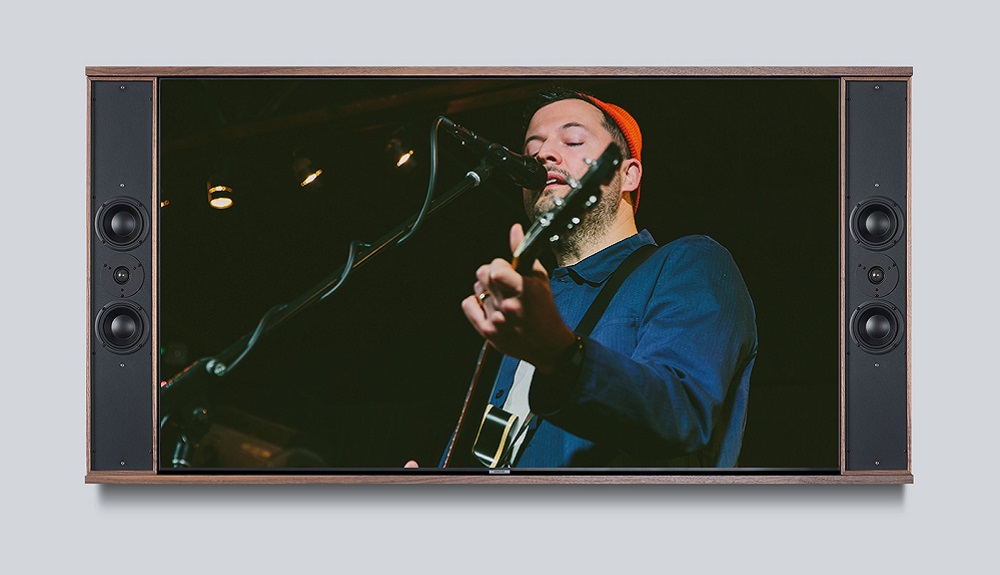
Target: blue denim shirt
666, 372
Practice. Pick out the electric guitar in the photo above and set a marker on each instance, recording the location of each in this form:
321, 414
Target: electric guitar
482, 436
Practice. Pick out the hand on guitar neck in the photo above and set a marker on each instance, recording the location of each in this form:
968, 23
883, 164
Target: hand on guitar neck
514, 311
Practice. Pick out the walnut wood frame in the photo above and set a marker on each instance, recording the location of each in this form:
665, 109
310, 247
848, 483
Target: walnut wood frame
846, 74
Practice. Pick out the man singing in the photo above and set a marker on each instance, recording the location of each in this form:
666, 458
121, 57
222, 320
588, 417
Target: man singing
662, 379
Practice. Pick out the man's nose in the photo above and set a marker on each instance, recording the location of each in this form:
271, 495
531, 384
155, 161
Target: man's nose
548, 154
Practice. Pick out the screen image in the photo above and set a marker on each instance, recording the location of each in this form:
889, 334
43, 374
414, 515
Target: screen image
265, 184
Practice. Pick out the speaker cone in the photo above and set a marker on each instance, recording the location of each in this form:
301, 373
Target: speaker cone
877, 327
877, 223
121, 223
122, 327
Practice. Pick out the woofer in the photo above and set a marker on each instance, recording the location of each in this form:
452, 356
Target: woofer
121, 223
877, 223
122, 327
877, 327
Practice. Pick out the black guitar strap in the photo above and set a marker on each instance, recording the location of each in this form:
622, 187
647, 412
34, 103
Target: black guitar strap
618, 277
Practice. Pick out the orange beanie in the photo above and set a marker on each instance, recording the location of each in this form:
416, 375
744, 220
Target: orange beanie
629, 127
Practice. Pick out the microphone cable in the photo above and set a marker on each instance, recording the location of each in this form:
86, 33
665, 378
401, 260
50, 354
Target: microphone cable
220, 369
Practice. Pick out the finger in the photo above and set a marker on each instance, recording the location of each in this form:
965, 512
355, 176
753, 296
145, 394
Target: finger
484, 321
482, 279
479, 288
504, 279
411, 464
512, 307
474, 311
516, 237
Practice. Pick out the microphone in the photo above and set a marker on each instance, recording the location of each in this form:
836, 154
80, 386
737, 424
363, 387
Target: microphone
527, 172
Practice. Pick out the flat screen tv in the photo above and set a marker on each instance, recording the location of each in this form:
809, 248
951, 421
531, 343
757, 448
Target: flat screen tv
278, 258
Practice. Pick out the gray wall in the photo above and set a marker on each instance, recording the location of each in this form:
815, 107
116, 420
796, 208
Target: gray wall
52, 520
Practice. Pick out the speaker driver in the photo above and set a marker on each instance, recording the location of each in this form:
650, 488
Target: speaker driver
877, 275
877, 223
122, 327
877, 327
121, 223
122, 275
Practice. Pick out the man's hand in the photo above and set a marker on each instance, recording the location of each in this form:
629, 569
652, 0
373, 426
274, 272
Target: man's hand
516, 313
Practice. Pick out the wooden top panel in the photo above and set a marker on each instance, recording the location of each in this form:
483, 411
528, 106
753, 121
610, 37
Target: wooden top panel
717, 71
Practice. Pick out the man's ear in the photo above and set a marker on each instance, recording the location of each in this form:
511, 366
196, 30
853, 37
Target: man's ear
631, 170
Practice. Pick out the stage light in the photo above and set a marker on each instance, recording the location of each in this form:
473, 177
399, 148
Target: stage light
311, 178
399, 149
220, 197
306, 173
404, 158
399, 154
220, 184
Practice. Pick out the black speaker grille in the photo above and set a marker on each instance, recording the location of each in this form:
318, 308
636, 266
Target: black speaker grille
876, 364
121, 363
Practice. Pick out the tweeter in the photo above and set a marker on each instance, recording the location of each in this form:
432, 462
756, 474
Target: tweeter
876, 274
122, 275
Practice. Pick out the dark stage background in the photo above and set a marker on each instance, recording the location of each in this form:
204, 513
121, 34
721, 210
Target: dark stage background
376, 374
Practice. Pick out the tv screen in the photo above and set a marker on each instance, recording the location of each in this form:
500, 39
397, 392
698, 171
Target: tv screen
296, 335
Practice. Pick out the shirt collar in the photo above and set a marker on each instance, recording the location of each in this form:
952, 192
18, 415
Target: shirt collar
596, 268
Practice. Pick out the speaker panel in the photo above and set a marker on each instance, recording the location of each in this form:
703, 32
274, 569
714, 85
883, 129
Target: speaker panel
876, 393
121, 185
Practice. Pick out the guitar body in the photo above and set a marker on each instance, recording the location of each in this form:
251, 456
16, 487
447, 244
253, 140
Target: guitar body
483, 434
495, 440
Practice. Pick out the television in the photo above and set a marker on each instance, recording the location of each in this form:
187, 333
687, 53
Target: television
277, 258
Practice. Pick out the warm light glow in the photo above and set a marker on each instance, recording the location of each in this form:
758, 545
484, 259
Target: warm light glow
221, 203
219, 197
311, 178
164, 203
404, 158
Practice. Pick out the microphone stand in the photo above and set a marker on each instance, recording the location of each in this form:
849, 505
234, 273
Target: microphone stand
180, 387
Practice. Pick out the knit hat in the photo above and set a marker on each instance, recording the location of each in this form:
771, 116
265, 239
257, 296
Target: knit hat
629, 127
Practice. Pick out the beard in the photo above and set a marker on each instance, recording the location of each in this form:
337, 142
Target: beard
594, 223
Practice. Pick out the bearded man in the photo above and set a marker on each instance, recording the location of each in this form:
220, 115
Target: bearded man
662, 379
